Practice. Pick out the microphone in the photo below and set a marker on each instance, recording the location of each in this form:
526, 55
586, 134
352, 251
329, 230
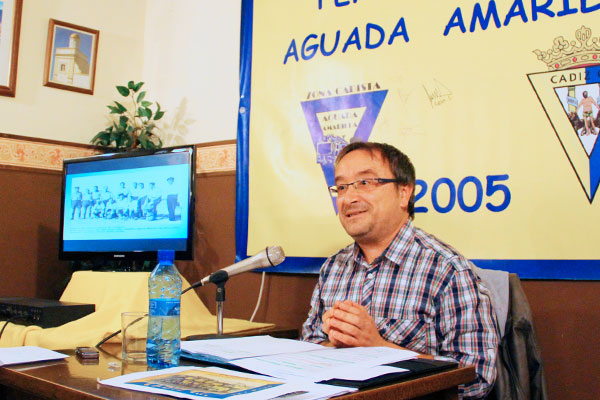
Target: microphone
269, 257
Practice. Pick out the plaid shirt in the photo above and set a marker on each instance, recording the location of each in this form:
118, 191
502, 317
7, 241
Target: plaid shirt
422, 295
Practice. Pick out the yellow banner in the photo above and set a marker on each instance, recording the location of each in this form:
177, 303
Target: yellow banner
486, 98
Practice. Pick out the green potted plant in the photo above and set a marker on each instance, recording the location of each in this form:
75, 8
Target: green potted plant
135, 126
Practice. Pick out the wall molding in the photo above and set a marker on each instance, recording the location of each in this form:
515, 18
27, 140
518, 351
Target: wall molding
216, 157
31, 153
25, 152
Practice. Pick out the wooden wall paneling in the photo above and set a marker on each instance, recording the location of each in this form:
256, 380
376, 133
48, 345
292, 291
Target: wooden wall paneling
565, 313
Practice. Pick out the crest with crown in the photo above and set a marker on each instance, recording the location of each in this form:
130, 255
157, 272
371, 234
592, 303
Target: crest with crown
585, 51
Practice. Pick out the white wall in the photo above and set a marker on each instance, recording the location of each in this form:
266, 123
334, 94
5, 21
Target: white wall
187, 52
191, 66
50, 113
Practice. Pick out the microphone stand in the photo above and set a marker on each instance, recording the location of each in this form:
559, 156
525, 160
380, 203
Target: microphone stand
220, 278
220, 299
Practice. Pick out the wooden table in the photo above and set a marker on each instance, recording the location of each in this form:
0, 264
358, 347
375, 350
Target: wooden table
72, 379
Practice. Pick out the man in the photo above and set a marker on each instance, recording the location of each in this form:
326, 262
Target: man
133, 201
153, 198
76, 202
172, 202
106, 199
88, 203
398, 286
96, 195
588, 113
141, 213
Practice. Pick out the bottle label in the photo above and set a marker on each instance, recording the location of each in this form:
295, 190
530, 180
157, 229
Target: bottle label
164, 307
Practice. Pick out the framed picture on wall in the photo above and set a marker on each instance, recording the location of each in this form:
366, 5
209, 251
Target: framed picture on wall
10, 28
71, 52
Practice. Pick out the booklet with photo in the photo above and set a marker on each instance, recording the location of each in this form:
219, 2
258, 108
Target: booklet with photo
219, 383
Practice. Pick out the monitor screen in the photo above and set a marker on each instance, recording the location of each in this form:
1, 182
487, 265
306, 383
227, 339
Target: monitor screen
128, 205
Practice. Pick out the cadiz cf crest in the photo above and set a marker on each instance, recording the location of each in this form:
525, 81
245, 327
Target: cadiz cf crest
338, 117
570, 95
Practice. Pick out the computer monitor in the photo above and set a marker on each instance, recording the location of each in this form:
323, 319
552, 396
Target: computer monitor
127, 206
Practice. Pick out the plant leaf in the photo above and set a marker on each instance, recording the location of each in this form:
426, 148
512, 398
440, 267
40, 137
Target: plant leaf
138, 86
146, 103
145, 112
123, 121
123, 90
113, 110
158, 115
131, 85
141, 96
101, 137
121, 107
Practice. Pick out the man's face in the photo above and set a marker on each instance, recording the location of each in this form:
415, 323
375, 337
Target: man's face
370, 217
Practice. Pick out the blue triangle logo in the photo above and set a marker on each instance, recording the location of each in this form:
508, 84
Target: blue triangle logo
334, 122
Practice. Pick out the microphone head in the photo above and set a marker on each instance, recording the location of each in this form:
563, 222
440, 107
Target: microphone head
275, 255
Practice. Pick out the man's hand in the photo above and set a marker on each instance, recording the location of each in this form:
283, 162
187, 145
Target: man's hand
348, 324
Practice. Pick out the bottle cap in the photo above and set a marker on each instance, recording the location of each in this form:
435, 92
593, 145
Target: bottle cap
166, 255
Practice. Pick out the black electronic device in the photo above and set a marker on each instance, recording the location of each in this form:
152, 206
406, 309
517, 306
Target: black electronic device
87, 352
42, 312
127, 206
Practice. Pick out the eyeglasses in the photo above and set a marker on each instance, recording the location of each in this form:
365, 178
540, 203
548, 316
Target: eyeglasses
361, 185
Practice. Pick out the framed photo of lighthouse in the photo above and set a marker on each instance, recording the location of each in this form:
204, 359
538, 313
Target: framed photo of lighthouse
71, 52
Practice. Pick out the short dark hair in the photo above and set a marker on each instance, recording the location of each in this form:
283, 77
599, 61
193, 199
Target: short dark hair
400, 164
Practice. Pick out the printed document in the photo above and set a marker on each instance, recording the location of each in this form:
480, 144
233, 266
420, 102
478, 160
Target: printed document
327, 363
218, 383
228, 349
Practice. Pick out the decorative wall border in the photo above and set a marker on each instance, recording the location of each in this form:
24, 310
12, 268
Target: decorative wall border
32, 153
216, 157
19, 151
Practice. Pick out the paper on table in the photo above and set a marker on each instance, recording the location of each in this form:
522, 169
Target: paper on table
27, 354
225, 350
218, 383
323, 364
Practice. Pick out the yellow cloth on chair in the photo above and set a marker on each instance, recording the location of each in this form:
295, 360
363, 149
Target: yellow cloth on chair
114, 293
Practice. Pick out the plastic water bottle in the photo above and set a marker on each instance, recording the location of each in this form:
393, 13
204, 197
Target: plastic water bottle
163, 345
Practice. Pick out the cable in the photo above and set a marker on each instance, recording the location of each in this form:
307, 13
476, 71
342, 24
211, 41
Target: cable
112, 335
262, 283
195, 285
6, 323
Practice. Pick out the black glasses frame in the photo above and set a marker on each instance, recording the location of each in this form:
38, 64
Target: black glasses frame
359, 185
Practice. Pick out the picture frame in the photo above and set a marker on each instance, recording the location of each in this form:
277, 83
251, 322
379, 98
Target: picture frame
71, 52
10, 30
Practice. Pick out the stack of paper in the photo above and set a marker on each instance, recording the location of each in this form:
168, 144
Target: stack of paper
223, 351
287, 368
291, 359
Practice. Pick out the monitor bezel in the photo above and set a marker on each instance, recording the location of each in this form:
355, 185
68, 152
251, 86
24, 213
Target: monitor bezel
111, 256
